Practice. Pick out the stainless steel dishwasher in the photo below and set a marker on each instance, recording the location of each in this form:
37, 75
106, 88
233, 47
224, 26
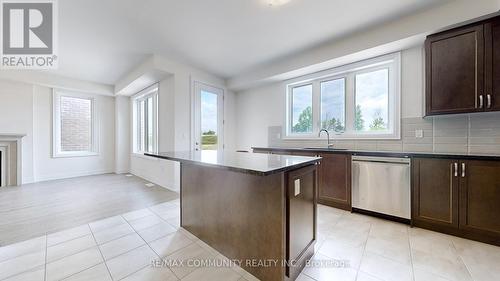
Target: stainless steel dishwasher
381, 185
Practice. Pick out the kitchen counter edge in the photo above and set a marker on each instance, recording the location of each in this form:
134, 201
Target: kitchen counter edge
385, 153
237, 169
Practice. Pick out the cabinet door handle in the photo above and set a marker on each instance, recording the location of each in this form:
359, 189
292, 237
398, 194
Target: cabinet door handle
488, 101
463, 170
455, 166
481, 101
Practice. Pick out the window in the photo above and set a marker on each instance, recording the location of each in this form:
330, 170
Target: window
356, 101
75, 126
372, 101
146, 120
302, 109
333, 105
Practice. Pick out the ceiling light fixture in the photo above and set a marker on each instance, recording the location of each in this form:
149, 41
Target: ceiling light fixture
277, 2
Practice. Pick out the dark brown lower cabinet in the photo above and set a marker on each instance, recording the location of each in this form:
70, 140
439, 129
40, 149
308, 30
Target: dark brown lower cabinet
457, 197
480, 199
435, 192
334, 176
335, 180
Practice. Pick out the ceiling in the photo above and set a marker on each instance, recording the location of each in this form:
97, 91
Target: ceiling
101, 40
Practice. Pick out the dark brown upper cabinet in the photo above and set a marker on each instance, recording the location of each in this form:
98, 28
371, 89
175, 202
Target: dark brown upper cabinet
463, 69
492, 64
455, 71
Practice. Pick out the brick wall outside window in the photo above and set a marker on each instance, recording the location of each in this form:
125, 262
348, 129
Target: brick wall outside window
76, 124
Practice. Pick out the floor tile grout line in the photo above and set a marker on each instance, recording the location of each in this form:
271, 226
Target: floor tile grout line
149, 246
441, 276
164, 220
462, 259
135, 231
82, 250
99, 249
24, 271
79, 251
86, 268
327, 237
119, 237
364, 252
166, 198
387, 257
178, 250
73, 274
74, 238
132, 272
46, 254
411, 254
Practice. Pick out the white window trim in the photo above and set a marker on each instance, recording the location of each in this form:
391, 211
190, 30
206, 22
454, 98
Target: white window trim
56, 125
152, 90
391, 61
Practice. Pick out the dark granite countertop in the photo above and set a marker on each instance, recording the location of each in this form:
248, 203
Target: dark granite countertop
253, 163
386, 153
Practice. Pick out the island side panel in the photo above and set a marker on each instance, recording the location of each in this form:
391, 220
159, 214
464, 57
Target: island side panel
241, 215
302, 218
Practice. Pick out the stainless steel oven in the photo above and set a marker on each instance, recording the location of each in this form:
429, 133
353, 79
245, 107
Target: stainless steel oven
382, 185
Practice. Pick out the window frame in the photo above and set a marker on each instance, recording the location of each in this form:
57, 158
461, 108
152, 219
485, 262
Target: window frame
328, 79
151, 91
56, 126
290, 106
348, 72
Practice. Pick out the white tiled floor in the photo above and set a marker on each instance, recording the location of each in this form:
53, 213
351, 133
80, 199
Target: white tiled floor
363, 248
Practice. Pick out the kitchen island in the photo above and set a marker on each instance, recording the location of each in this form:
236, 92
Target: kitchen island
257, 209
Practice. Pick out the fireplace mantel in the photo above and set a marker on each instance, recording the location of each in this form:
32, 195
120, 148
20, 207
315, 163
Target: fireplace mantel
11, 136
11, 147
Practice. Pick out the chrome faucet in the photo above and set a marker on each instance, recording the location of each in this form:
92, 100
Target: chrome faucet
327, 135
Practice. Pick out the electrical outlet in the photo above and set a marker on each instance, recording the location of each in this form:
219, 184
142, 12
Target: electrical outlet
296, 184
419, 134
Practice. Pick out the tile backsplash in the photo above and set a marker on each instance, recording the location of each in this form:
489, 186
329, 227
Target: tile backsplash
465, 134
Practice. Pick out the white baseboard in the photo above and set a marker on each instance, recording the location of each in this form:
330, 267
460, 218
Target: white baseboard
164, 185
59, 176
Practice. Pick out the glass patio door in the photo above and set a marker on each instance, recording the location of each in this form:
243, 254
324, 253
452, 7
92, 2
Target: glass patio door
208, 118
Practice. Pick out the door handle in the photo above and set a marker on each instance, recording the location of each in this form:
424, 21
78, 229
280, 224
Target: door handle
455, 167
481, 101
488, 101
463, 170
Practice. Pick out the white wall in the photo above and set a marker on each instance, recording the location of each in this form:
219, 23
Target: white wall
16, 116
262, 107
175, 120
47, 167
367, 42
159, 171
257, 110
27, 109
412, 83
122, 135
